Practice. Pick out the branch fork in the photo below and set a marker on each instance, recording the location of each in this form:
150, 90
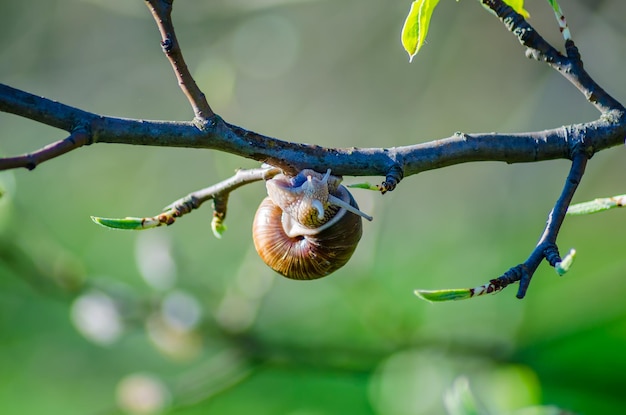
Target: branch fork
207, 130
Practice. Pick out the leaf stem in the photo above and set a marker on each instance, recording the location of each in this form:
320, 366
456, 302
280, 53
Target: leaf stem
218, 193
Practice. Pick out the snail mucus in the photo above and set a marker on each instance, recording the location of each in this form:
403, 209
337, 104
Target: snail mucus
308, 226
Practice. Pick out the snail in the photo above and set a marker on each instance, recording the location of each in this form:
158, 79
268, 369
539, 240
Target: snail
308, 226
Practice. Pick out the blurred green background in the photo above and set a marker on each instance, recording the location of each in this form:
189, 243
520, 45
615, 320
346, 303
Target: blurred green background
173, 320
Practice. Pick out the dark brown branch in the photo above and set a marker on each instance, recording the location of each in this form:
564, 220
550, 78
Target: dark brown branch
570, 66
218, 192
546, 247
606, 132
43, 110
162, 12
577, 142
77, 139
221, 190
393, 163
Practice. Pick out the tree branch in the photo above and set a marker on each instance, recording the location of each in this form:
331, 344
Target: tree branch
570, 66
606, 132
162, 12
577, 142
77, 139
545, 248
209, 131
218, 192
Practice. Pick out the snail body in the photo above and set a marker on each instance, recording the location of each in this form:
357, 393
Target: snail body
308, 226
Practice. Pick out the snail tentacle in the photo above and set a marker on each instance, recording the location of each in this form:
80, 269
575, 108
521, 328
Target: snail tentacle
338, 202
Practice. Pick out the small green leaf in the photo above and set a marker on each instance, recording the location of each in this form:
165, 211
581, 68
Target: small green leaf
126, 223
597, 205
366, 186
416, 26
560, 18
218, 227
555, 5
518, 6
566, 263
436, 296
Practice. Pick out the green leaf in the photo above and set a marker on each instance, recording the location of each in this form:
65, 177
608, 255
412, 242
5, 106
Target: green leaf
566, 263
126, 223
555, 5
416, 26
417, 22
437, 296
365, 185
597, 205
218, 227
560, 18
518, 6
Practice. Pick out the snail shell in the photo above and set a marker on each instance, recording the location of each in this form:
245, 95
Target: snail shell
308, 226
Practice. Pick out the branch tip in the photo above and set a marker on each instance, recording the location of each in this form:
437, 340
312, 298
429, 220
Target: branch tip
563, 266
161, 12
30, 161
393, 177
218, 193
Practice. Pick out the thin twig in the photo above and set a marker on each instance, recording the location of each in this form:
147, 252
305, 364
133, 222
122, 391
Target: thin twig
162, 12
29, 161
394, 163
570, 66
218, 193
608, 131
547, 247
241, 178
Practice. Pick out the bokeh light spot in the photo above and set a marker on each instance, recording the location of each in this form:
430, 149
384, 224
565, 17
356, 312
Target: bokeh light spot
142, 394
155, 261
96, 317
181, 310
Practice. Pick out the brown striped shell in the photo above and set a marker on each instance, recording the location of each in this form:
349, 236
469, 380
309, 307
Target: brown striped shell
301, 229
